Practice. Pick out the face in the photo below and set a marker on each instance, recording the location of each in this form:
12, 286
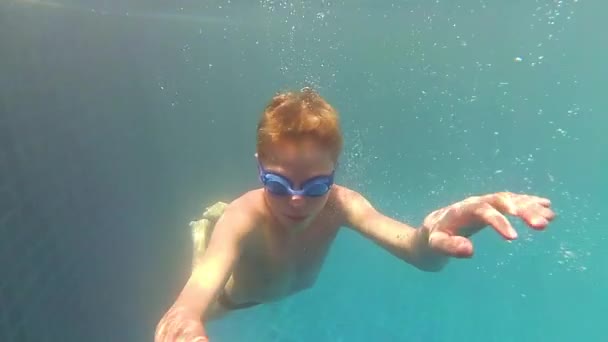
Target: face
298, 162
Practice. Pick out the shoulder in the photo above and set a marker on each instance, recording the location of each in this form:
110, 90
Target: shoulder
343, 196
243, 214
251, 203
349, 204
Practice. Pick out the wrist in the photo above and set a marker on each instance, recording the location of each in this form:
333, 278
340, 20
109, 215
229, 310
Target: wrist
428, 259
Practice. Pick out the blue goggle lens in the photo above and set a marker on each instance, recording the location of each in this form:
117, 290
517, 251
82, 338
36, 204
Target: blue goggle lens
316, 189
282, 188
276, 188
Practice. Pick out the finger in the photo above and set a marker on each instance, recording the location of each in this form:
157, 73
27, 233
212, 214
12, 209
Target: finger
504, 202
200, 339
190, 332
455, 246
536, 215
179, 331
490, 216
547, 213
533, 210
162, 331
545, 202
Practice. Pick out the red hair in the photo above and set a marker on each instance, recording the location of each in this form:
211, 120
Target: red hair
294, 116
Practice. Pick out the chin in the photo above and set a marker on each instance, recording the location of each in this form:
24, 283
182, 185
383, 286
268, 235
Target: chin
296, 218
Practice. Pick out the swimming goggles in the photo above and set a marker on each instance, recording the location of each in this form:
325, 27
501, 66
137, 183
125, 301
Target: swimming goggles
281, 186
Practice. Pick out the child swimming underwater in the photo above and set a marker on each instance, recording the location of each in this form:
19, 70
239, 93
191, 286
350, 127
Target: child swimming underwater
271, 242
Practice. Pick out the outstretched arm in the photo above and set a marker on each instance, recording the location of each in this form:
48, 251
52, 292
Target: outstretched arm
183, 320
444, 232
400, 239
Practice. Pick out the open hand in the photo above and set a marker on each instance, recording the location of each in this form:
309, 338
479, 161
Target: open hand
180, 325
449, 227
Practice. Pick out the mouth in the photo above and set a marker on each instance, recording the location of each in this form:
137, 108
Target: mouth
296, 218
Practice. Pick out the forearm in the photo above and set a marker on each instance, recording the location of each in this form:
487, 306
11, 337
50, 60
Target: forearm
184, 319
406, 242
400, 239
403, 241
198, 293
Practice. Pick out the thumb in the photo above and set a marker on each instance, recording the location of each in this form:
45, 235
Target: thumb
452, 245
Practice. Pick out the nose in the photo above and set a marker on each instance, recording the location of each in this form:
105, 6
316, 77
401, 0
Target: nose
297, 201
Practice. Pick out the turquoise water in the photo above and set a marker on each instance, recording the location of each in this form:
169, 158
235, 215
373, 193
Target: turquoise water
120, 121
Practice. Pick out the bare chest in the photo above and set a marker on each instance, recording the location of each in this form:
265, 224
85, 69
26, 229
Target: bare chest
282, 264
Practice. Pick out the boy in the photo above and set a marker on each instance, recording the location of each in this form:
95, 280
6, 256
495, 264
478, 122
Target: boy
271, 242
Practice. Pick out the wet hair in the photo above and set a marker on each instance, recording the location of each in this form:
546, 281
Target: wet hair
296, 116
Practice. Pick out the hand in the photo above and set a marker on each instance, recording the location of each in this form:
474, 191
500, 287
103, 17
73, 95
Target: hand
449, 227
181, 325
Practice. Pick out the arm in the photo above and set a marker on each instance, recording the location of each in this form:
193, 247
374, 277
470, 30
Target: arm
444, 232
210, 275
401, 240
